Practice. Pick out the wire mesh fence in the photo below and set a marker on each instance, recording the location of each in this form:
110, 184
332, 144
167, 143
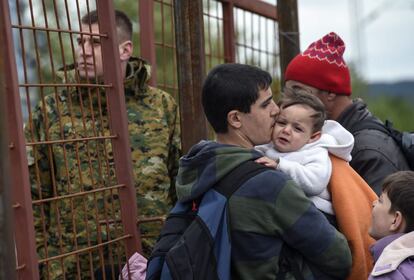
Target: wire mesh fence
82, 209
81, 177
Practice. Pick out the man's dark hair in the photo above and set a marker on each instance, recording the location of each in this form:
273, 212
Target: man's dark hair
292, 96
123, 23
229, 87
399, 188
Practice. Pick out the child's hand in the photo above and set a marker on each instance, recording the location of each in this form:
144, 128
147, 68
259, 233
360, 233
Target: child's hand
267, 162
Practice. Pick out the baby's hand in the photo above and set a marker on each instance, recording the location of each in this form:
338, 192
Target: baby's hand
267, 162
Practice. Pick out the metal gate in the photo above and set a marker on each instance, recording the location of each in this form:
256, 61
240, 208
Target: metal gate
90, 183
211, 32
83, 222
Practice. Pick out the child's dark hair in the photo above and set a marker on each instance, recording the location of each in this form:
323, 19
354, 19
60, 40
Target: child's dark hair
399, 188
294, 96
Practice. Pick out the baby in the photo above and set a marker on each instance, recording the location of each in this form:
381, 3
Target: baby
300, 145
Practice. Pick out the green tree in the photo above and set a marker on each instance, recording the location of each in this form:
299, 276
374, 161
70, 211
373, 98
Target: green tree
396, 110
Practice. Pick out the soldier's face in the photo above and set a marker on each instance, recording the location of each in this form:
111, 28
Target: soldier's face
89, 54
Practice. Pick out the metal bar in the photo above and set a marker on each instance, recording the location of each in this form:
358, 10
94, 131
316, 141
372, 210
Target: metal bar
67, 85
19, 175
245, 37
228, 32
190, 63
91, 108
78, 154
266, 45
174, 86
164, 45
196, 22
20, 267
207, 36
255, 49
209, 15
102, 189
109, 10
146, 34
220, 37
7, 252
288, 33
100, 245
70, 140
164, 76
160, 219
119, 126
38, 28
257, 7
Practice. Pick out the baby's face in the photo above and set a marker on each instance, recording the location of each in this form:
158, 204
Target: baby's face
293, 128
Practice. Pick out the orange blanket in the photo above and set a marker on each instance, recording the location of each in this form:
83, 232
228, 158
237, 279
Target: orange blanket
352, 200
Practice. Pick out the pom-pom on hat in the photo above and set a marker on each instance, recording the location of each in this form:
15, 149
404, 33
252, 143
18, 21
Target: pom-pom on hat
322, 66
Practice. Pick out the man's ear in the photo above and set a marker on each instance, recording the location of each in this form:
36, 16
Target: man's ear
233, 119
125, 50
315, 136
330, 96
398, 225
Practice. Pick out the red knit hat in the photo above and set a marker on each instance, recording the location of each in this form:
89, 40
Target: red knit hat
322, 66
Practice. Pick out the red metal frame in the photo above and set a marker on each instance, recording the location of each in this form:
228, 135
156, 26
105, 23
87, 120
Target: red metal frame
255, 6
165, 46
146, 34
190, 88
27, 261
119, 126
228, 30
7, 255
191, 59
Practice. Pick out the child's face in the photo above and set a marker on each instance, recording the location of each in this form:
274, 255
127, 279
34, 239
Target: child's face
382, 218
293, 128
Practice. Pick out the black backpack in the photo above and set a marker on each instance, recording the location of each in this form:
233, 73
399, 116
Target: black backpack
194, 242
405, 140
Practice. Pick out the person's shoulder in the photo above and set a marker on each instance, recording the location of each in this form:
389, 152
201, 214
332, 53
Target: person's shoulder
161, 99
161, 94
272, 186
373, 139
49, 99
47, 104
269, 179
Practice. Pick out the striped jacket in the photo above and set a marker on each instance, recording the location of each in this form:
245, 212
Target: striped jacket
267, 212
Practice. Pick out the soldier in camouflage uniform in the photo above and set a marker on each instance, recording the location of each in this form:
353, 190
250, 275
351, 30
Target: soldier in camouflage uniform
67, 168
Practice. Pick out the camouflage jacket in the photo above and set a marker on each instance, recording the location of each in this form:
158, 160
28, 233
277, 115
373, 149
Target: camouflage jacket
59, 168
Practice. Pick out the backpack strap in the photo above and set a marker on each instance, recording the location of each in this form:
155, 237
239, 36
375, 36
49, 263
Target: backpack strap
231, 183
238, 176
287, 264
370, 123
